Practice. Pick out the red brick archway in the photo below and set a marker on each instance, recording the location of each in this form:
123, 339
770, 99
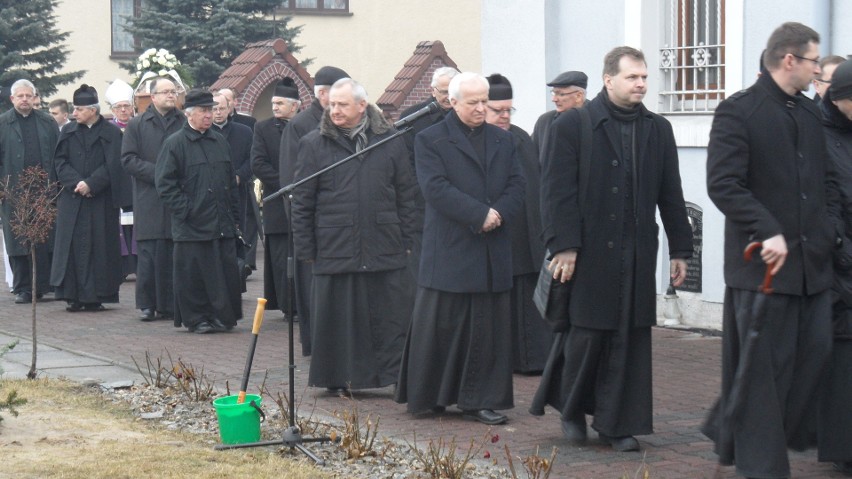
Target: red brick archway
413, 84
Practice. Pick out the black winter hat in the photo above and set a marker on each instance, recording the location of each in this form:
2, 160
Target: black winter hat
328, 75
499, 87
287, 88
85, 96
571, 78
841, 81
198, 97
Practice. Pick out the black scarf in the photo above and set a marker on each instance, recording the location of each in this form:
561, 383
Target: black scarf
621, 114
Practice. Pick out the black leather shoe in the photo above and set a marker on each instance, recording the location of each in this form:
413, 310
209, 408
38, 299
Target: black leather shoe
94, 307
73, 307
337, 390
621, 443
219, 326
485, 416
147, 315
575, 430
165, 315
844, 467
23, 298
203, 328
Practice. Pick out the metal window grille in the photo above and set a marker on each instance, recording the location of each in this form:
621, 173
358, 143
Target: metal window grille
692, 59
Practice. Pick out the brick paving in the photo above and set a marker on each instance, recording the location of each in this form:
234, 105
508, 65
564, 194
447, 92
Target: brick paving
686, 379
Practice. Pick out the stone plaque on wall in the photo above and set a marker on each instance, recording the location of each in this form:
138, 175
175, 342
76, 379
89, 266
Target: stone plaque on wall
693, 271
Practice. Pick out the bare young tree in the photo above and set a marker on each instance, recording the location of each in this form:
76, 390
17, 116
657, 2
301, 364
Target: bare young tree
33, 199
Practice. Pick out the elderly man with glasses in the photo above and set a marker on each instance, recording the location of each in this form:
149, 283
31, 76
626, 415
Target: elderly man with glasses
140, 147
568, 90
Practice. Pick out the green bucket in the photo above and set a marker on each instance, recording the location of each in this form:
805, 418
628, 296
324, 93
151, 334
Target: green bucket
239, 423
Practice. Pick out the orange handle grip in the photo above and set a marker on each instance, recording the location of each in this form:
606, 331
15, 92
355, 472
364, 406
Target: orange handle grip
258, 315
241, 397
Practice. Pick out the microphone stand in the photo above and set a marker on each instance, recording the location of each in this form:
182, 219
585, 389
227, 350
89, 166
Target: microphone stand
292, 436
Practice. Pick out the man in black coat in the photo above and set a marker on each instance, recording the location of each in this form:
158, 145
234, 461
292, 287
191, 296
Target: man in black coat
355, 225
27, 138
264, 164
196, 181
769, 173
835, 422
606, 244
143, 138
568, 90
86, 269
459, 347
531, 336
239, 138
303, 123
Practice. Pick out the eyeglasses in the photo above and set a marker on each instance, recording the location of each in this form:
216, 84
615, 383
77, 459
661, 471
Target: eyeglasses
511, 110
816, 60
166, 92
561, 94
827, 82
442, 92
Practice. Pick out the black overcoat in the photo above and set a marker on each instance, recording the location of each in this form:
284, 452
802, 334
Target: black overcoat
12, 163
93, 157
239, 138
541, 128
143, 138
765, 183
265, 148
196, 181
417, 126
359, 217
595, 225
303, 123
527, 245
459, 191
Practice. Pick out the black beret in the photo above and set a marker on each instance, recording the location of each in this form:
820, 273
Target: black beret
571, 78
85, 96
287, 88
841, 81
499, 87
329, 75
198, 97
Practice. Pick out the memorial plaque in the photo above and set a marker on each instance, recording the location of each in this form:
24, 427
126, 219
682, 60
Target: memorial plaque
693, 271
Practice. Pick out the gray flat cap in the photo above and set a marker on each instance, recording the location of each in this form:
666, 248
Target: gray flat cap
571, 78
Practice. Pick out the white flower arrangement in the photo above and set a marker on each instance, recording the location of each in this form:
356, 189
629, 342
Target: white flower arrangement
153, 62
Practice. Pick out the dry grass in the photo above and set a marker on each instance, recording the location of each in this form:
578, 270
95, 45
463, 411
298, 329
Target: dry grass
66, 431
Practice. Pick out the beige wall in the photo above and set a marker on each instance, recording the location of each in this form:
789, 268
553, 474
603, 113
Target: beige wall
373, 43
88, 22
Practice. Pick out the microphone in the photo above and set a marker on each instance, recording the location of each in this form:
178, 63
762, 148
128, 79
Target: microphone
407, 121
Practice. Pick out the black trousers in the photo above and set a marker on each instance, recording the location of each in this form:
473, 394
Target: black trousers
22, 271
154, 276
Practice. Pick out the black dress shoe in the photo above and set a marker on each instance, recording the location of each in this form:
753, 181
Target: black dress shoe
147, 315
165, 315
203, 328
485, 416
23, 298
621, 443
337, 390
74, 307
219, 326
844, 467
575, 430
94, 307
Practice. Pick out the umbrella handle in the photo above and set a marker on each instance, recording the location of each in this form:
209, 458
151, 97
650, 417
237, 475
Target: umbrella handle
766, 287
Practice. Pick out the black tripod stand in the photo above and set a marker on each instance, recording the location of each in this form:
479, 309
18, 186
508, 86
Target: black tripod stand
292, 437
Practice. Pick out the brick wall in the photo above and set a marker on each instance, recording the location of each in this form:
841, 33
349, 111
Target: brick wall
272, 73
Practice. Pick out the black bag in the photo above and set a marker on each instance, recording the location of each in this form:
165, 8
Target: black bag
552, 297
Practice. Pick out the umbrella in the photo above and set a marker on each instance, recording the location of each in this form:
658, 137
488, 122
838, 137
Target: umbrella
733, 405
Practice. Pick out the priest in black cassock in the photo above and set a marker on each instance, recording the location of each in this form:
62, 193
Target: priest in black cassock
264, 164
355, 225
86, 270
459, 346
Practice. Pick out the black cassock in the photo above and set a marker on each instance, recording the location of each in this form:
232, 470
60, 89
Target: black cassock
87, 257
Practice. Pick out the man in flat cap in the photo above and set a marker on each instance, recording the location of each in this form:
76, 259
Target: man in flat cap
140, 148
531, 337
196, 180
568, 90
86, 269
264, 164
303, 123
27, 138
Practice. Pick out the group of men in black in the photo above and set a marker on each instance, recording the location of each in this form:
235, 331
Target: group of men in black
416, 259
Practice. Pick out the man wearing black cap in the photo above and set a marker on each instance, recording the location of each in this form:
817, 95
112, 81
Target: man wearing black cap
835, 422
531, 337
264, 164
303, 123
86, 268
140, 148
599, 219
769, 173
568, 90
196, 180
27, 138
